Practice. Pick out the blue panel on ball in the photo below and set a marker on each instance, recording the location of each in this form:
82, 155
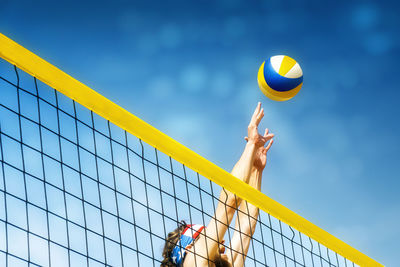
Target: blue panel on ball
278, 82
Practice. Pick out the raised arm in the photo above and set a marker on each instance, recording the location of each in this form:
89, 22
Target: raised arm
206, 247
246, 220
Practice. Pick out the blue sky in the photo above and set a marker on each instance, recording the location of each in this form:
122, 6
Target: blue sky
189, 69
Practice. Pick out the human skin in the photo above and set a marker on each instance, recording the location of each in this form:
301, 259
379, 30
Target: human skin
207, 247
246, 220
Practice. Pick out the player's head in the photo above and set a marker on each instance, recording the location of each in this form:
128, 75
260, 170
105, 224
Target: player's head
170, 244
182, 239
178, 242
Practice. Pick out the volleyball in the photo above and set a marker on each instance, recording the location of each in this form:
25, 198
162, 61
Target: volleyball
280, 78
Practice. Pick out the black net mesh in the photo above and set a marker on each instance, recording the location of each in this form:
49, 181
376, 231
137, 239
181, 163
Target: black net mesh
76, 190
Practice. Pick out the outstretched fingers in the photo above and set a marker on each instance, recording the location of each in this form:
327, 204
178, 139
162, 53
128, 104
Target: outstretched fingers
256, 111
266, 132
268, 146
260, 116
267, 136
257, 115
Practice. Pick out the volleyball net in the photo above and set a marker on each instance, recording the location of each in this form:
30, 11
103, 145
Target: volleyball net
85, 183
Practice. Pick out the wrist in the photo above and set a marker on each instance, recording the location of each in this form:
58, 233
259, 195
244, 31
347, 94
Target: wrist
250, 148
257, 171
256, 175
251, 143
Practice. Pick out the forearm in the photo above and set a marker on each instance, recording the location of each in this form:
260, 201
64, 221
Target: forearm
243, 167
241, 170
249, 209
228, 202
246, 222
241, 240
248, 213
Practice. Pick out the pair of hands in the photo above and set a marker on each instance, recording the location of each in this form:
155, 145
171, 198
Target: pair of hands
260, 157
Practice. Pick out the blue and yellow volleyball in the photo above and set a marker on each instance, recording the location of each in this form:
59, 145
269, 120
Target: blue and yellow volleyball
280, 78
